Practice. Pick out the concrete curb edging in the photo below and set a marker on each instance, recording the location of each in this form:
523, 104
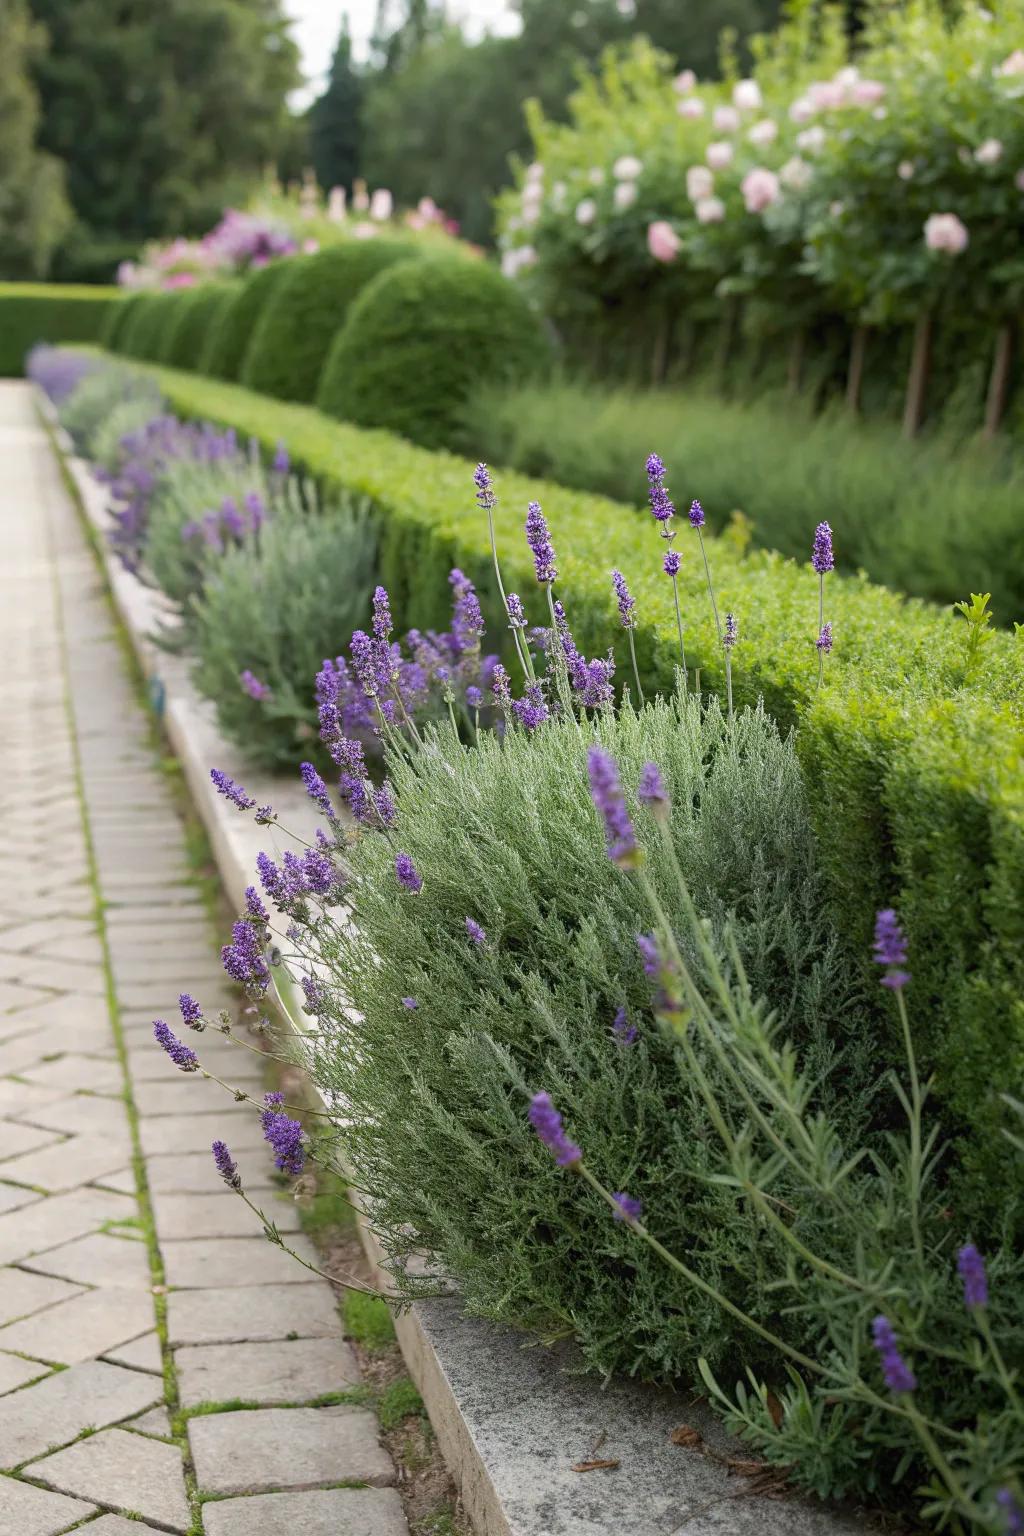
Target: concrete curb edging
512, 1421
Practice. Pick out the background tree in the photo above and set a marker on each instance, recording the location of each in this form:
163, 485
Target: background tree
335, 127
162, 112
34, 212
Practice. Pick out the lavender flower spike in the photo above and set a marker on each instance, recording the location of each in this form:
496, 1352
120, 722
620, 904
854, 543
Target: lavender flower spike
895, 1370
184, 1059
407, 873
696, 515
971, 1269
824, 640
670, 564
484, 488
230, 790
821, 556
1011, 1511
623, 1031
891, 950
626, 602
539, 540
226, 1166
606, 793
651, 790
516, 612
547, 1122
626, 1208
732, 631
662, 509
475, 932
191, 1013
284, 1135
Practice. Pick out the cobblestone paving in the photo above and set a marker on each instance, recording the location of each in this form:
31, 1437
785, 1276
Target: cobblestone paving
134, 1290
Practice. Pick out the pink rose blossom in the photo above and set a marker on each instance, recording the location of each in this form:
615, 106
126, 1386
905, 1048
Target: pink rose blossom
746, 96
709, 210
827, 95
989, 153
382, 204
691, 106
1013, 64
867, 93
310, 247
625, 195
699, 183
764, 132
725, 119
586, 212
662, 241
812, 139
685, 82
719, 154
627, 168
946, 233
905, 170
760, 189
801, 110
796, 174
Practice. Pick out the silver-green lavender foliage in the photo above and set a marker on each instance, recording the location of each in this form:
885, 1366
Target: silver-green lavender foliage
435, 1095
189, 491
127, 416
87, 409
276, 607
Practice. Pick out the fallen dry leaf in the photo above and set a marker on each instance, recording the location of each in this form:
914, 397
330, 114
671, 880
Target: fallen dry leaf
596, 1466
684, 1435
775, 1409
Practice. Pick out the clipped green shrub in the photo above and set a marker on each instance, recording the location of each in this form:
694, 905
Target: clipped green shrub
188, 329
870, 740
231, 330
117, 313
34, 312
269, 613
420, 339
125, 311
145, 328
305, 312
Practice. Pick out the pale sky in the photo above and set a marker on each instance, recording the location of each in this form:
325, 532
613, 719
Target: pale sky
318, 22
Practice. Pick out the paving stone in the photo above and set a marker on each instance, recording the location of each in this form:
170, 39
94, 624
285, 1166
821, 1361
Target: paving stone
218, 1215
17, 1140
284, 1371
143, 1354
40, 1418
71, 1163
99, 1259
267, 1449
79, 1112
185, 1093
157, 1421
239, 1126
72, 1073
13, 1197
21, 1294
234, 1314
46, 1223
123, 1181
194, 1172
319, 1512
72, 1013
15, 1372
82, 1328
127, 1472
227, 1261
28, 1511
116, 1525
17, 1098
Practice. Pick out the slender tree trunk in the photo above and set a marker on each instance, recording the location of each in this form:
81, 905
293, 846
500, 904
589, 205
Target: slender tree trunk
795, 361
917, 379
855, 372
999, 380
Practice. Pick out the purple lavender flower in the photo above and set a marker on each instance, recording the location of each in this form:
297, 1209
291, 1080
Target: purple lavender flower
255, 687
651, 790
474, 696
626, 1208
254, 906
547, 1122
732, 631
475, 932
271, 879
531, 710
662, 508
230, 790
316, 789
539, 540
484, 489
243, 959
627, 603
467, 619
382, 622
184, 1059
190, 530
226, 1166
606, 793
284, 1135
670, 564
971, 1269
624, 1032
891, 950
231, 518
696, 515
824, 640
313, 993
1011, 1512
407, 873
648, 947
516, 612
410, 1003
384, 805
501, 688
896, 1372
821, 556
366, 663
191, 1013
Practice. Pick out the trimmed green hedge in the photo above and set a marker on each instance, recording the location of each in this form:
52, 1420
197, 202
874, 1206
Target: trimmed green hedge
31, 312
142, 334
190, 321
232, 330
420, 338
916, 779
307, 309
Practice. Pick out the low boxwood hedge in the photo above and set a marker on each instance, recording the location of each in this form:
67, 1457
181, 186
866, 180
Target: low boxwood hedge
418, 340
190, 321
916, 776
306, 310
232, 329
32, 312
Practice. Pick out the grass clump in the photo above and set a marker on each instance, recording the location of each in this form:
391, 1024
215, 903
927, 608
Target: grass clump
367, 1320
231, 330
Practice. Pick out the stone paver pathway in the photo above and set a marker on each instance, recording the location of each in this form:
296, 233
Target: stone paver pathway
133, 1289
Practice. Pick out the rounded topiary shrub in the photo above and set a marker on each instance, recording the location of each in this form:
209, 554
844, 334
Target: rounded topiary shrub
232, 327
295, 330
114, 322
185, 336
418, 341
127, 312
144, 330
